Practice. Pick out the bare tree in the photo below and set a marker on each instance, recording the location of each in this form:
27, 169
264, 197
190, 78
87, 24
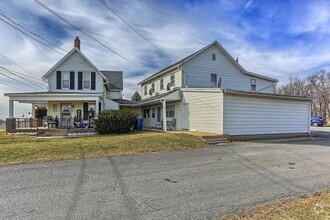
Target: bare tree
296, 86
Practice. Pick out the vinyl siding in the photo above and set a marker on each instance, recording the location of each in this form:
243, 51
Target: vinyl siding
198, 71
205, 110
114, 94
245, 115
110, 104
167, 79
75, 63
77, 106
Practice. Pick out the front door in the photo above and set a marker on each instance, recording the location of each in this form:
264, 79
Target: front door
65, 115
153, 118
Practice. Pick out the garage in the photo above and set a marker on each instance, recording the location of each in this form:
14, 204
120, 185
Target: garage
250, 113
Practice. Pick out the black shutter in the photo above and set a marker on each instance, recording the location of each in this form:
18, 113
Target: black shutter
100, 107
80, 81
58, 80
93, 81
85, 110
71, 80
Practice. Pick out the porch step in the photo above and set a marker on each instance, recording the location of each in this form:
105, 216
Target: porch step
217, 139
55, 132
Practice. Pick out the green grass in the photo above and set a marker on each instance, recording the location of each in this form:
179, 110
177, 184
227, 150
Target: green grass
16, 149
312, 207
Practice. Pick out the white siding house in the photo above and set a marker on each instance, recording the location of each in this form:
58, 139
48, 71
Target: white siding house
216, 94
77, 90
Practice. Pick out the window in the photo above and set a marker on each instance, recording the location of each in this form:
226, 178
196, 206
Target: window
170, 111
153, 87
253, 84
87, 81
146, 113
65, 80
214, 80
161, 84
214, 56
145, 90
172, 80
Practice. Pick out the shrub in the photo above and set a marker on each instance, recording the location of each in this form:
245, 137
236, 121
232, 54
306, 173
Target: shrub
115, 121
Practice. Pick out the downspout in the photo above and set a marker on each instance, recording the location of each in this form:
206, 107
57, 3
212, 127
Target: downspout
163, 101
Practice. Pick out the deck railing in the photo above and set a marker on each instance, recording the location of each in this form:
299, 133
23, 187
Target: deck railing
28, 122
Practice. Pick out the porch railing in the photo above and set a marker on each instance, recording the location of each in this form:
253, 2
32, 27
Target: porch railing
68, 123
28, 122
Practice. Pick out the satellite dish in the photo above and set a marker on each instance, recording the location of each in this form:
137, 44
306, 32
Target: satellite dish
168, 86
219, 82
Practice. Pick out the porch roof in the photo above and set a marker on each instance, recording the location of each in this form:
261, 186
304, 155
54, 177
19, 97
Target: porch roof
43, 97
168, 96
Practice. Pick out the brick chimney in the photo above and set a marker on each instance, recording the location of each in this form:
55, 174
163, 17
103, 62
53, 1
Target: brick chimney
77, 43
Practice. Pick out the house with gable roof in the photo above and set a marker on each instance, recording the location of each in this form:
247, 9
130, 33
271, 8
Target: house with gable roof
77, 90
209, 91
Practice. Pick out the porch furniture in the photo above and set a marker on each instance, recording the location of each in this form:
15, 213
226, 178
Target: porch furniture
159, 124
171, 124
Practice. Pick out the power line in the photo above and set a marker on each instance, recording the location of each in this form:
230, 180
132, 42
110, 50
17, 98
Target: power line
20, 77
17, 80
83, 32
33, 78
132, 27
2, 83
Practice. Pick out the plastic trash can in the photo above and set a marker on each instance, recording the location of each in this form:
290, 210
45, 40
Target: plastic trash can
139, 124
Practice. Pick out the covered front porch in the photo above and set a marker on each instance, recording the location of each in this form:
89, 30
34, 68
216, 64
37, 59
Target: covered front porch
64, 110
161, 111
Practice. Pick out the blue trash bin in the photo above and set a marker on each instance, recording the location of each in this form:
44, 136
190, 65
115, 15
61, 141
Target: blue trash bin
139, 125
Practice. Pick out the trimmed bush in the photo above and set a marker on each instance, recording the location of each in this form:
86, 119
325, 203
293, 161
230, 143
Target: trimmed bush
115, 121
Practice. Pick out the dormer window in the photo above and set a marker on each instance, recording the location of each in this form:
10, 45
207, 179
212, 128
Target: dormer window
87, 81
253, 85
65, 80
214, 56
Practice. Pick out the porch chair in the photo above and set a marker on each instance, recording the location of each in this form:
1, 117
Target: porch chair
171, 124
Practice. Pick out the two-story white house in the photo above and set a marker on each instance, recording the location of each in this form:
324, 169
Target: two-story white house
77, 90
210, 91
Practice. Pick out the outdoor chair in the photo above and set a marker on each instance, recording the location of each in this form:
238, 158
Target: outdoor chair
170, 125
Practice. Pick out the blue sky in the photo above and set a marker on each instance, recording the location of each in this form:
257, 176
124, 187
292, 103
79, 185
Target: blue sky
269, 37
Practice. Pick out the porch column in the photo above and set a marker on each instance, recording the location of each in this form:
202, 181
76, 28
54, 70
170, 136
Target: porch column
164, 115
33, 111
11, 108
96, 108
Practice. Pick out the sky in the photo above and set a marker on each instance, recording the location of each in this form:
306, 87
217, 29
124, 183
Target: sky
273, 38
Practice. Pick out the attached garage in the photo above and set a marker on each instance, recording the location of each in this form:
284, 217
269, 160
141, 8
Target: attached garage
249, 113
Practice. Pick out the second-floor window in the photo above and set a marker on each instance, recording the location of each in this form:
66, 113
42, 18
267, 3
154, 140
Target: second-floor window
145, 90
172, 80
153, 87
253, 85
87, 81
65, 80
161, 84
213, 80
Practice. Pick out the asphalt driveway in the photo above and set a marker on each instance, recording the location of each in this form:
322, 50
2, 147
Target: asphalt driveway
191, 184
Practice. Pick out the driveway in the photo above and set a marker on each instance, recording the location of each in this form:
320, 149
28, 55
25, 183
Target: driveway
191, 184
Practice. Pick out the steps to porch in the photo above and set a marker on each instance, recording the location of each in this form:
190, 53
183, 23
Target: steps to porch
216, 139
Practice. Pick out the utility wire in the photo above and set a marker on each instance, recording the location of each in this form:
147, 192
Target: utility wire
20, 77
17, 80
85, 33
31, 77
105, 4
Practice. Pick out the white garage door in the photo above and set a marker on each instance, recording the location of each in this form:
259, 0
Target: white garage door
245, 115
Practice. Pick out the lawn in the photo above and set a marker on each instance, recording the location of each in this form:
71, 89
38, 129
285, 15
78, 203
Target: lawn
311, 207
26, 149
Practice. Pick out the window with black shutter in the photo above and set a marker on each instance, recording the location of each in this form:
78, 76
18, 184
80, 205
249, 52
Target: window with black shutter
71, 80
80, 81
93, 81
58, 80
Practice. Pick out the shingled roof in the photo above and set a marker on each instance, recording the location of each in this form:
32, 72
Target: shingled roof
115, 79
